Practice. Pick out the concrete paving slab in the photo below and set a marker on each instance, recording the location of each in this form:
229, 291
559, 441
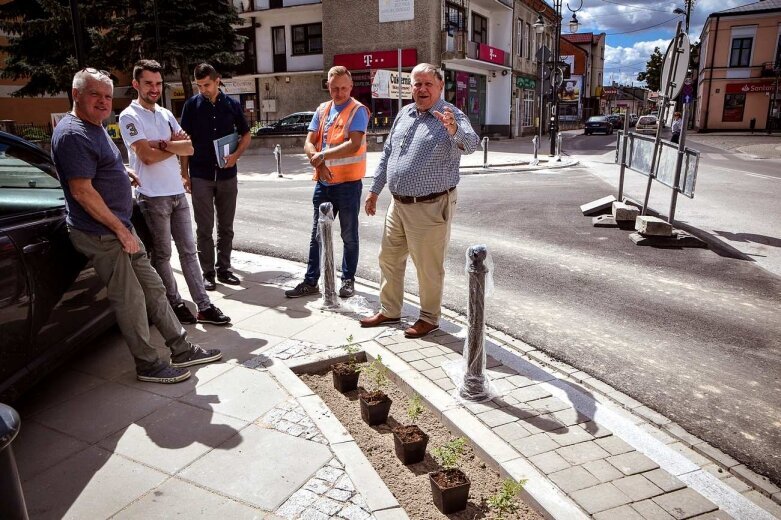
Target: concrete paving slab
600, 498
110, 361
41, 448
335, 328
240, 392
280, 323
664, 480
237, 344
178, 498
270, 478
101, 411
684, 503
581, 453
573, 478
549, 462
632, 462
174, 436
91, 484
56, 389
637, 487
200, 375
619, 513
651, 510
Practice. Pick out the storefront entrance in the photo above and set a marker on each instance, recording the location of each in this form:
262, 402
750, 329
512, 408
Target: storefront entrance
467, 92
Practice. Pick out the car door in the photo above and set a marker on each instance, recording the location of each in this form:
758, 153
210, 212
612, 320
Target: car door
63, 298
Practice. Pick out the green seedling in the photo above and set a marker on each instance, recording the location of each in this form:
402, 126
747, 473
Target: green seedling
415, 408
505, 501
449, 454
377, 373
351, 349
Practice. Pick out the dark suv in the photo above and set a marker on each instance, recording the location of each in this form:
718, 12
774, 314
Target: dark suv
297, 123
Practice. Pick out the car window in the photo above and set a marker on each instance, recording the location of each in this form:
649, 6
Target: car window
24, 183
289, 120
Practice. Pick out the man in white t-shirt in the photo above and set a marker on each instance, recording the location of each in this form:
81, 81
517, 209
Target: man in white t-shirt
154, 141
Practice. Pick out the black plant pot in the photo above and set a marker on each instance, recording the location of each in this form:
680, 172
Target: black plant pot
345, 379
409, 452
449, 499
376, 411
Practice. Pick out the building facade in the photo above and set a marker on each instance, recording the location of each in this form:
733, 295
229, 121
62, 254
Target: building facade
593, 45
740, 61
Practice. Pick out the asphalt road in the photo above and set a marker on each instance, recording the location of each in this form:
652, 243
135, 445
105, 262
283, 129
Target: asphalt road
692, 334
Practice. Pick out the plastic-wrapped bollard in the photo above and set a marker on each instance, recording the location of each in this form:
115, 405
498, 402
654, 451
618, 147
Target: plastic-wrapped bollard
278, 157
475, 386
12, 504
325, 235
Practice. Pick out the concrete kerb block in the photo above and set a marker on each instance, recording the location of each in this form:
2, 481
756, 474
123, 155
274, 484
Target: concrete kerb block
653, 226
624, 212
288, 380
598, 206
758, 482
324, 419
359, 469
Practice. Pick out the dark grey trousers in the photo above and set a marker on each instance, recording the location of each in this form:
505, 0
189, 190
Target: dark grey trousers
212, 198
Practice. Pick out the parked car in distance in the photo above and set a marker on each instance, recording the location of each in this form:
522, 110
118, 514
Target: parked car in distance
646, 125
617, 120
598, 124
633, 119
51, 300
297, 123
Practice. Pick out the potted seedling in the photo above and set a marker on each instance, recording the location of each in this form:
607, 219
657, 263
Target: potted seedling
410, 441
346, 374
505, 502
375, 404
449, 485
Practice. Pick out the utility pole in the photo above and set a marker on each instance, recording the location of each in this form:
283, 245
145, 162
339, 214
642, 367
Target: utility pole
77, 34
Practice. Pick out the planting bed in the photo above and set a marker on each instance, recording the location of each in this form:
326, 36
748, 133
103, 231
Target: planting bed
410, 484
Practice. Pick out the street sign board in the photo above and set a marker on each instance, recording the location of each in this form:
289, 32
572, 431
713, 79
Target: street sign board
676, 63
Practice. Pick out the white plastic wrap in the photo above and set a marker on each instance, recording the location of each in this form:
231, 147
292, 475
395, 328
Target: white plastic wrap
474, 384
325, 224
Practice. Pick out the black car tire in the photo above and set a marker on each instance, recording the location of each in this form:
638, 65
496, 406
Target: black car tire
586, 133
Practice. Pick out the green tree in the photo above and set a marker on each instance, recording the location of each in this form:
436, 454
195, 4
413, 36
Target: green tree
653, 71
190, 33
41, 46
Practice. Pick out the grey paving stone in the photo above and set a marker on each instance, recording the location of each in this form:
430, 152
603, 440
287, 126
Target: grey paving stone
684, 503
714, 515
503, 386
689, 453
266, 486
619, 513
549, 462
664, 480
776, 498
595, 429
571, 435
500, 371
495, 418
429, 352
38, 448
568, 417
550, 405
656, 433
632, 463
600, 498
421, 365
530, 393
573, 479
511, 431
403, 346
652, 415
637, 487
716, 455
411, 355
603, 470
677, 430
764, 502
434, 373
327, 506
520, 381
354, 512
758, 481
626, 401
445, 384
534, 445
478, 408
614, 445
651, 510
582, 453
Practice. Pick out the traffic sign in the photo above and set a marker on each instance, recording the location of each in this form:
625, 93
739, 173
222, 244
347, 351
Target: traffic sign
677, 56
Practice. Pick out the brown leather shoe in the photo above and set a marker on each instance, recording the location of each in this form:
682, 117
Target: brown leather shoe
377, 320
419, 329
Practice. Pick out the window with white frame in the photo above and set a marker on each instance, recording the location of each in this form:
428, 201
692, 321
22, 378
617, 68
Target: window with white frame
519, 37
528, 108
741, 44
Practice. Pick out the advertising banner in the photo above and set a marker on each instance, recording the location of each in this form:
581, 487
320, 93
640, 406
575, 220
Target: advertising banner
569, 98
385, 84
396, 10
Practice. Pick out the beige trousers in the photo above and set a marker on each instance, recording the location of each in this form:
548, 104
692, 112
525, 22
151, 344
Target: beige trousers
422, 231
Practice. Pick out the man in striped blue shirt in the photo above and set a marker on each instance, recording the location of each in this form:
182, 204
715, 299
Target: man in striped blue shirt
419, 164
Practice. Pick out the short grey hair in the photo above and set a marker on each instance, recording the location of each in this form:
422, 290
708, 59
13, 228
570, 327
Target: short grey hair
339, 70
81, 78
427, 68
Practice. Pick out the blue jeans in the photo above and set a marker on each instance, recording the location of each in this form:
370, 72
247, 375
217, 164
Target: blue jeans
346, 199
168, 217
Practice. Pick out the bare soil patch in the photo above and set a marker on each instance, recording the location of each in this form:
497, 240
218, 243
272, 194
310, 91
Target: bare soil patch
410, 484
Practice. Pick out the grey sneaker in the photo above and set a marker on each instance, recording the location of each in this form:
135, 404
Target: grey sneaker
348, 289
163, 373
302, 289
196, 356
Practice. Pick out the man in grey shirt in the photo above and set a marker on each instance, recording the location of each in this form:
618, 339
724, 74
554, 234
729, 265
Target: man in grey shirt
419, 164
98, 203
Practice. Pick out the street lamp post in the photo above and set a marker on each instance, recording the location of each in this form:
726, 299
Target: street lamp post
556, 74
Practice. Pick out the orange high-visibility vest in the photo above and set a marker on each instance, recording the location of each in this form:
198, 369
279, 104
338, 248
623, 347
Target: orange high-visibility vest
344, 169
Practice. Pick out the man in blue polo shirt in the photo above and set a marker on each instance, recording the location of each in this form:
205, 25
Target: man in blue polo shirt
207, 116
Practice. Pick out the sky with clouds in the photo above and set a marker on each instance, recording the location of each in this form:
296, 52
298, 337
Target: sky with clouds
635, 27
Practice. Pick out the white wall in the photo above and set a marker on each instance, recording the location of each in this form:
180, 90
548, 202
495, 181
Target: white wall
282, 17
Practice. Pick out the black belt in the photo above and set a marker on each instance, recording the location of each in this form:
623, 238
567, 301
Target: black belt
423, 198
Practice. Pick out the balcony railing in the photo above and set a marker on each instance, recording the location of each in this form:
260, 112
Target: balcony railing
455, 46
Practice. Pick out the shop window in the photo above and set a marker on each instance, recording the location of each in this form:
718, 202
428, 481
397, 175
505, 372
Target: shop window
733, 108
479, 29
307, 39
740, 55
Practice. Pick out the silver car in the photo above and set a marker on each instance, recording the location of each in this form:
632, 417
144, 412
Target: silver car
647, 125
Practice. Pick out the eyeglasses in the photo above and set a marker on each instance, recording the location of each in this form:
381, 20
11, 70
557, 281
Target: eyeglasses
91, 70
